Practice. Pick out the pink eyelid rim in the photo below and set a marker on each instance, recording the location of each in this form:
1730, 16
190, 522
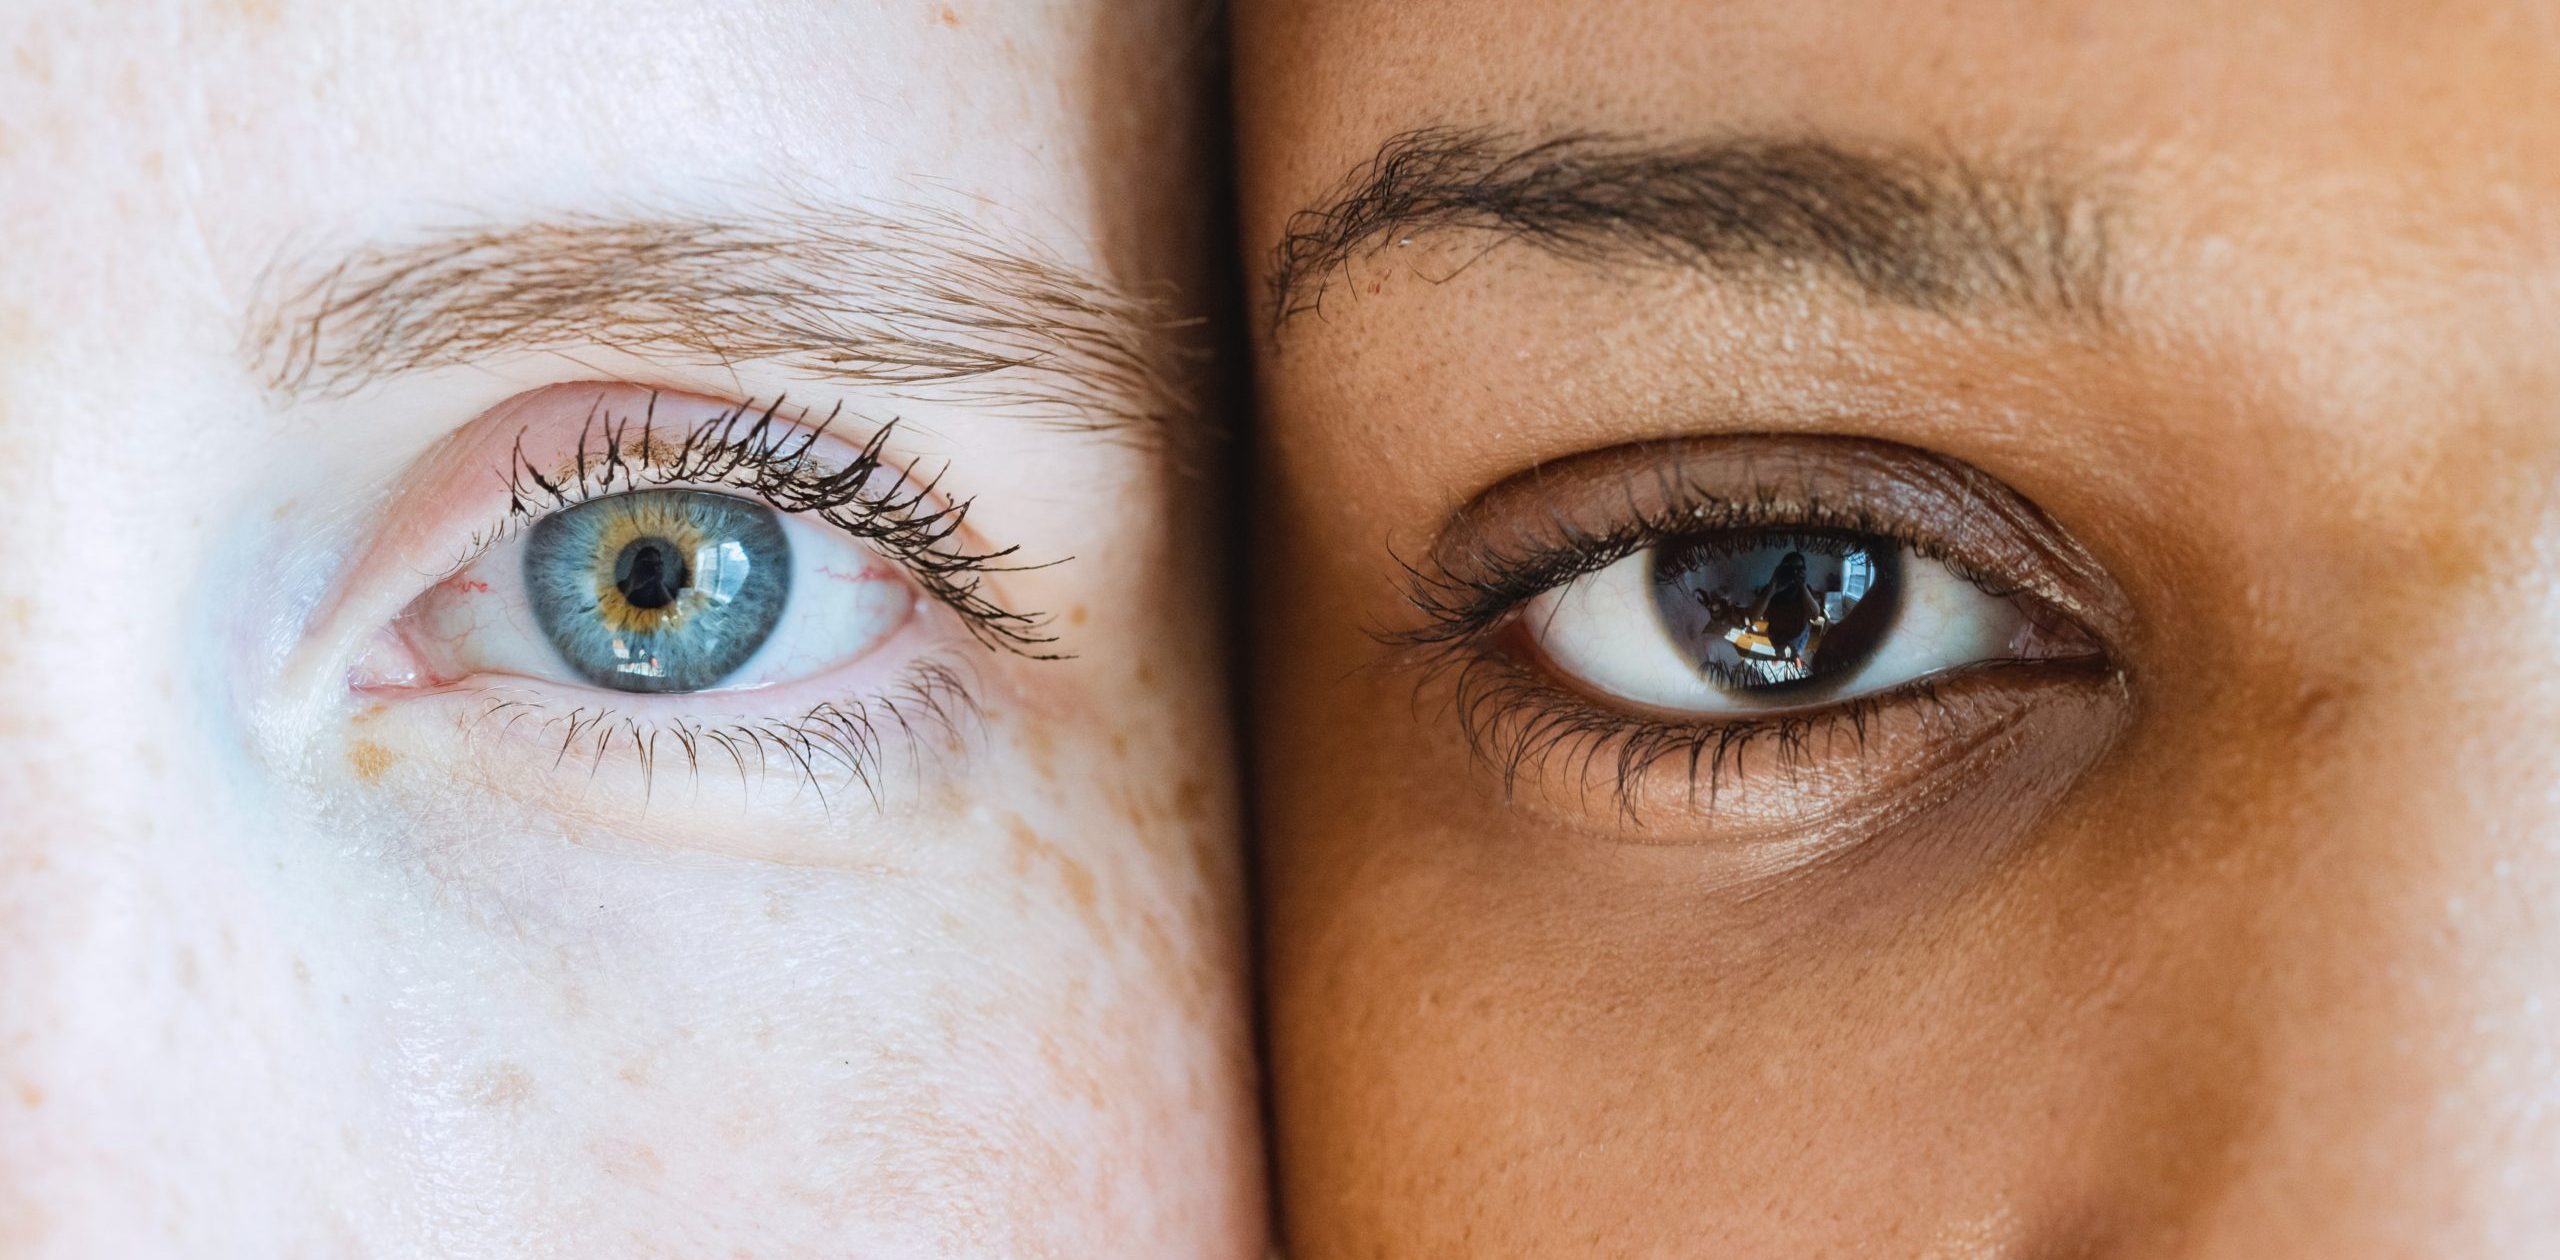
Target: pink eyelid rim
388, 664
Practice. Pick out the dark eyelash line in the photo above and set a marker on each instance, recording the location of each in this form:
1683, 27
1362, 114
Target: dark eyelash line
755, 451
1467, 597
1520, 723
852, 736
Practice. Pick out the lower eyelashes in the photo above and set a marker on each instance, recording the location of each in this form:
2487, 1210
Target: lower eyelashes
728, 592
658, 590
1711, 605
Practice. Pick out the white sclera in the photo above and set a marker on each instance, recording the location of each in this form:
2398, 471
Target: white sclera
845, 600
1604, 630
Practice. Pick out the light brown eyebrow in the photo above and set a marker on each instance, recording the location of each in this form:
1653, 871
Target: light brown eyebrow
916, 300
1930, 230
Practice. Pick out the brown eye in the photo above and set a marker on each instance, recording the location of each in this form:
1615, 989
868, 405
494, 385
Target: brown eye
1731, 621
1776, 610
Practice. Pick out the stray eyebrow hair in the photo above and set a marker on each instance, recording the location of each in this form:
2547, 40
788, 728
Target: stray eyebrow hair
1935, 232
916, 300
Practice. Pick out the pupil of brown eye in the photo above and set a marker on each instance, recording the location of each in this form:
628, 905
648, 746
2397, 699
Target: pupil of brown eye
650, 573
1772, 611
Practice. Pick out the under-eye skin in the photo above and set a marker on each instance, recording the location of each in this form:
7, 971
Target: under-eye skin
723, 585
1764, 630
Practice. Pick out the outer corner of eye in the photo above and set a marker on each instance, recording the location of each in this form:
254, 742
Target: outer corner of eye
1745, 621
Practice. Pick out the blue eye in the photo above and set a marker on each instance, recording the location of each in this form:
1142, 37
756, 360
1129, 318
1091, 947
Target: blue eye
658, 590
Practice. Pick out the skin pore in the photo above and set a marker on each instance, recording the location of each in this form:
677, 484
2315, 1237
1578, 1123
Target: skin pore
339, 914
2199, 914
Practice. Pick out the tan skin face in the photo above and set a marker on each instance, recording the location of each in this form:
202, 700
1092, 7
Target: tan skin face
2216, 345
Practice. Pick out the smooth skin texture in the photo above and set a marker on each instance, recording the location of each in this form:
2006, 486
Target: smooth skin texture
2248, 951
290, 971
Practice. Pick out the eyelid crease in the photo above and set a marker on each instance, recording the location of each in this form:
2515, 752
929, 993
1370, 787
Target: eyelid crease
1567, 518
1563, 519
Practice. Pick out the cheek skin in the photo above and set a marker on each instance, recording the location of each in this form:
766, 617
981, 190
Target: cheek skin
2273, 978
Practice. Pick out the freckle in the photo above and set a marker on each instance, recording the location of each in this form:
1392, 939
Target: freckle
1190, 799
29, 1096
1076, 616
503, 1086
370, 760
947, 17
951, 924
1120, 745
187, 972
634, 1074
630, 1161
301, 970
1037, 741
1076, 877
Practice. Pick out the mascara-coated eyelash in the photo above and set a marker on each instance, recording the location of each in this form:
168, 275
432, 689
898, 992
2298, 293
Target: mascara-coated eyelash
752, 450
680, 581
1779, 543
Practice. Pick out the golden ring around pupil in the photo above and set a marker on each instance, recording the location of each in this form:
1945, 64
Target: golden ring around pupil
636, 520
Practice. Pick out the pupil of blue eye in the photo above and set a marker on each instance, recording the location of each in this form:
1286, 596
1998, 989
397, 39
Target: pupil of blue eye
1762, 610
650, 573
658, 590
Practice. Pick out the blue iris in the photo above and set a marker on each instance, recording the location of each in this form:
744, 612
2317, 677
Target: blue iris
658, 590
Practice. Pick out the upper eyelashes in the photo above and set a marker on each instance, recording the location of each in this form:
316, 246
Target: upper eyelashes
673, 576
777, 462
1685, 600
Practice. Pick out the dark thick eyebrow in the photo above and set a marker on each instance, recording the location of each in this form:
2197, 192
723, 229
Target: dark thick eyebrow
918, 301
1915, 228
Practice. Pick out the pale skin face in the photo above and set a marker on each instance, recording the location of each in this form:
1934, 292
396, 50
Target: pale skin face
333, 919
2213, 918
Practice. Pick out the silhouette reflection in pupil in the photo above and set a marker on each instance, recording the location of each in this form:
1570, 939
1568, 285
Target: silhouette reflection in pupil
1763, 616
650, 573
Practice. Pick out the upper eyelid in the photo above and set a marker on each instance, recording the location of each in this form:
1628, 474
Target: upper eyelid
769, 452
1511, 535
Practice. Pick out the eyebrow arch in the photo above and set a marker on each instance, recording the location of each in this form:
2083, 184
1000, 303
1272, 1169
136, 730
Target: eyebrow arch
915, 300
1910, 227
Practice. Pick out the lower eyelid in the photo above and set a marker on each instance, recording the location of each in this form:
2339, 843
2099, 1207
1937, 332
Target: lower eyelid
1770, 776
528, 741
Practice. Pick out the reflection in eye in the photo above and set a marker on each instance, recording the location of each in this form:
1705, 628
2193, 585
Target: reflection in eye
1759, 619
659, 590
663, 590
